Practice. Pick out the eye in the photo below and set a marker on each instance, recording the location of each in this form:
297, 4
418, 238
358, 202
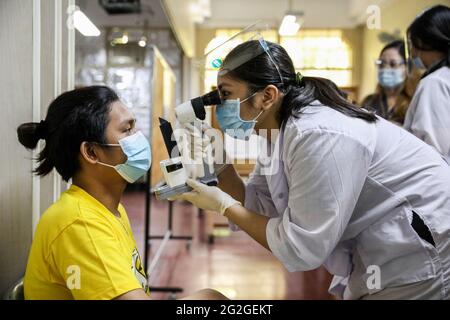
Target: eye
225, 94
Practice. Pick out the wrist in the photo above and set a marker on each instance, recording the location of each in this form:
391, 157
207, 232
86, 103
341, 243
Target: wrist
229, 211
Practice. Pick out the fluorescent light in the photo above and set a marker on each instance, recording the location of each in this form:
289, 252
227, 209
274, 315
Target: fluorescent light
143, 42
289, 26
85, 26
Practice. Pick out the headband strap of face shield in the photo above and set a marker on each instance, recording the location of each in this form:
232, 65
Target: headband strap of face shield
250, 33
248, 55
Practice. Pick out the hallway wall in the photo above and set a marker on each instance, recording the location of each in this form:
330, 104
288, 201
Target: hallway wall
37, 64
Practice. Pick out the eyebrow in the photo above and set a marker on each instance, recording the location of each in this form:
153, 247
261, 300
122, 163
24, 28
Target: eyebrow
222, 85
127, 121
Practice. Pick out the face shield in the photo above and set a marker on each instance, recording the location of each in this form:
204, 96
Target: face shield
218, 63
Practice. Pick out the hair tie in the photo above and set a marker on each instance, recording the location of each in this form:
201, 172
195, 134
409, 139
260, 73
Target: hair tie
42, 130
298, 78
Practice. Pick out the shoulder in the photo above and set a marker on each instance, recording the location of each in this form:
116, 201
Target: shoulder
62, 213
70, 213
320, 122
438, 79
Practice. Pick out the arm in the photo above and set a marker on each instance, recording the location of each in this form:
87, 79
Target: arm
231, 183
138, 294
88, 256
253, 224
428, 117
206, 294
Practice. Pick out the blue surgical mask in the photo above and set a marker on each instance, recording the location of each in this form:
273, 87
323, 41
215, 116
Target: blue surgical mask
418, 63
139, 158
229, 118
391, 78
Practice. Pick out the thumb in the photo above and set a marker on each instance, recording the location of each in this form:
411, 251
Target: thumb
194, 184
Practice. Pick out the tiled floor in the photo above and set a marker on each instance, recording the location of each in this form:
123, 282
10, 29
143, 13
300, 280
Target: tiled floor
235, 265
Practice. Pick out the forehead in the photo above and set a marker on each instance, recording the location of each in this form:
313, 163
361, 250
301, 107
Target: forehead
227, 82
391, 53
119, 112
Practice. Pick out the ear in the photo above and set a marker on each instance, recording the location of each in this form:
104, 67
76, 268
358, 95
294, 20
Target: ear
88, 153
271, 95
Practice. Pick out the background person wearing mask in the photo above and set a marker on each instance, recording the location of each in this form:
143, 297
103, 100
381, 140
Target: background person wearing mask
90, 137
428, 116
395, 89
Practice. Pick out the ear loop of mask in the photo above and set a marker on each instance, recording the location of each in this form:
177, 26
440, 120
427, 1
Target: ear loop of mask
246, 99
107, 145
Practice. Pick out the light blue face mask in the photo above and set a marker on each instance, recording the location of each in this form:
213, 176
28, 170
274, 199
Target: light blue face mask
418, 63
139, 158
391, 78
229, 118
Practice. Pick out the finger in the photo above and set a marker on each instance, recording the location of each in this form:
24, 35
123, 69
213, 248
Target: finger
194, 184
190, 196
175, 198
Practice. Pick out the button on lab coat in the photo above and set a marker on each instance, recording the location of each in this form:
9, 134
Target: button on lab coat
428, 116
341, 192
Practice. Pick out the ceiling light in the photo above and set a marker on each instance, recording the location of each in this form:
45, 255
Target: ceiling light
289, 26
143, 42
85, 26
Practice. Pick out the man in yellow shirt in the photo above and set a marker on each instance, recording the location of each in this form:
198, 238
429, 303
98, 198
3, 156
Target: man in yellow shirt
84, 246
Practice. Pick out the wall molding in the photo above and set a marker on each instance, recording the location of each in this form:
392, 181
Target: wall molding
36, 181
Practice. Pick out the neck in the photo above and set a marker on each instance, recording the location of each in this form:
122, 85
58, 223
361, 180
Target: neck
390, 93
108, 194
433, 59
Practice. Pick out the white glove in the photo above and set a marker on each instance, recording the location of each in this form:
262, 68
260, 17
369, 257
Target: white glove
207, 198
207, 144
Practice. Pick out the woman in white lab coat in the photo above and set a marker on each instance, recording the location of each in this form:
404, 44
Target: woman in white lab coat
429, 113
341, 188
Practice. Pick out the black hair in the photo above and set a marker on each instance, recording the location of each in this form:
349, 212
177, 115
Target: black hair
430, 31
259, 72
399, 45
72, 118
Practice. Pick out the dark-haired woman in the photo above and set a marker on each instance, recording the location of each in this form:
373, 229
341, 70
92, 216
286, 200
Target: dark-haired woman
429, 114
395, 90
84, 247
341, 188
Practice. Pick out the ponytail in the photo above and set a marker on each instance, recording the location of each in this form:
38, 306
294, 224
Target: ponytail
309, 89
30, 133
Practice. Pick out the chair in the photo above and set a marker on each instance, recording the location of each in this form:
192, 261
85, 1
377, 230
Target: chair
15, 292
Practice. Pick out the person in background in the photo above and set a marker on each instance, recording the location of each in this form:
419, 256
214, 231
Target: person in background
84, 247
428, 116
395, 89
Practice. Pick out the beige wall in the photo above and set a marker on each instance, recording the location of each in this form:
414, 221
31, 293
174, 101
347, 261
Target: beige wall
33, 72
396, 14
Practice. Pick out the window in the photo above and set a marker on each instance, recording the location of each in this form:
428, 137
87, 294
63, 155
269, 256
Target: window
321, 53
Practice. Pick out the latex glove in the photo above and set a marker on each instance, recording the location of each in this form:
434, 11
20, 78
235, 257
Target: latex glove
208, 144
207, 198
190, 142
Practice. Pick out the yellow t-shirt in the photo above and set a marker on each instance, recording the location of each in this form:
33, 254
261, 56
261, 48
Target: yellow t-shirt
83, 251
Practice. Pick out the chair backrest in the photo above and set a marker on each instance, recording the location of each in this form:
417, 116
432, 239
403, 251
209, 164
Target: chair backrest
15, 292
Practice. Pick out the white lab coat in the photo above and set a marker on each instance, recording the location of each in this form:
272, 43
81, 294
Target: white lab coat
341, 192
428, 116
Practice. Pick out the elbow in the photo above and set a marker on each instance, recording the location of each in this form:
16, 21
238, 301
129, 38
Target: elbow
300, 264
